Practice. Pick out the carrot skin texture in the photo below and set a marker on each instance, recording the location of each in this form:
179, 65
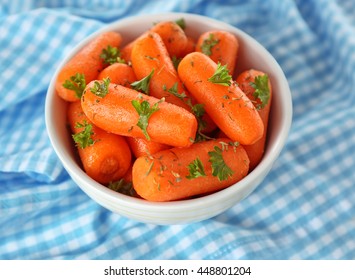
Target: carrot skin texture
225, 51
142, 147
174, 38
163, 176
170, 125
109, 158
149, 52
119, 73
255, 151
228, 106
87, 61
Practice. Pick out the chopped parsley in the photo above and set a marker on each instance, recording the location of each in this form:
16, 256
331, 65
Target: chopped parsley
76, 83
145, 112
174, 91
196, 169
143, 84
111, 55
181, 22
122, 186
262, 91
208, 44
219, 168
83, 139
221, 76
101, 88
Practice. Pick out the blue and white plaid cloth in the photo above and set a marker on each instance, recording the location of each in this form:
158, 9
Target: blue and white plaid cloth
305, 208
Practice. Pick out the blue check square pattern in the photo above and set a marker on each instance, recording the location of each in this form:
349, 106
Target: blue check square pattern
304, 209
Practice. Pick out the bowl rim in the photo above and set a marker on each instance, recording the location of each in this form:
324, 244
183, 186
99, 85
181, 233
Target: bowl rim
80, 177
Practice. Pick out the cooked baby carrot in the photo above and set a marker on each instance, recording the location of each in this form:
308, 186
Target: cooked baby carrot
173, 36
180, 173
105, 156
84, 66
143, 147
190, 46
150, 57
256, 85
119, 73
125, 111
223, 100
221, 46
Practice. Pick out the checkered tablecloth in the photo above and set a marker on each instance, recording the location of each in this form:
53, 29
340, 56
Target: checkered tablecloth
304, 209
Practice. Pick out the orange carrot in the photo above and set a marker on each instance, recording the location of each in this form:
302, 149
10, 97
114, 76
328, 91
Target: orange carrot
84, 66
221, 46
119, 73
105, 156
143, 147
150, 54
256, 85
224, 101
190, 46
173, 36
181, 173
125, 111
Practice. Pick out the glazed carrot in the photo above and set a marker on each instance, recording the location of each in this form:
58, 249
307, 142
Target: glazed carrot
84, 66
221, 46
143, 147
125, 111
256, 85
223, 100
105, 156
150, 54
173, 36
180, 173
119, 73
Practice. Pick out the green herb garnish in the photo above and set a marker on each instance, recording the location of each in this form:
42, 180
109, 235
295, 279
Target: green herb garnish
196, 169
100, 88
111, 55
76, 83
174, 91
83, 139
208, 44
176, 61
262, 91
143, 84
219, 167
221, 76
122, 186
181, 22
145, 112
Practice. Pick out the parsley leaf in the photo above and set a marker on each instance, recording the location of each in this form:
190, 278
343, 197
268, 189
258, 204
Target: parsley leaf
208, 44
262, 91
196, 169
219, 167
181, 22
122, 186
144, 111
76, 83
111, 55
143, 84
176, 61
221, 76
174, 91
101, 88
83, 139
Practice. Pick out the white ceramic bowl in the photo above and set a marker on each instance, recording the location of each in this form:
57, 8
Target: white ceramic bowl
251, 55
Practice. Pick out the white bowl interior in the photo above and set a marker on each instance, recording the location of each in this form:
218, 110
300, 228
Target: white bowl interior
251, 55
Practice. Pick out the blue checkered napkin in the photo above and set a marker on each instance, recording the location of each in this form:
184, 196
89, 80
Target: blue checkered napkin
303, 210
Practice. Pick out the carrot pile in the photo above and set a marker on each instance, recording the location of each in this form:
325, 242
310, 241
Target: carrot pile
166, 116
